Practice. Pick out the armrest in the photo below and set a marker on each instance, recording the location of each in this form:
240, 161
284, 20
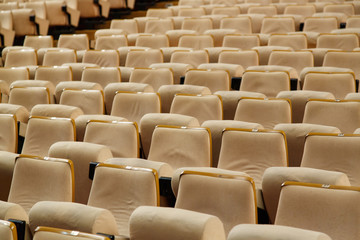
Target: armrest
12, 211
75, 216
105, 8
74, 15
42, 25
8, 36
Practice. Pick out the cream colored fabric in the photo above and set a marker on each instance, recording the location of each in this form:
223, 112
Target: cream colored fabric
321, 69
265, 51
6, 172
152, 41
217, 127
89, 101
36, 84
46, 233
103, 58
339, 84
265, 112
202, 107
198, 192
61, 86
181, 147
58, 57
81, 153
108, 32
352, 96
234, 70
9, 133
215, 80
322, 213
102, 76
257, 152
29, 96
28, 186
295, 41
41, 133
199, 25
121, 137
194, 58
345, 42
77, 69
133, 106
343, 60
21, 22
74, 41
111, 89
158, 222
81, 121
241, 24
343, 115
111, 42
140, 190
163, 169
160, 13
54, 74
214, 52
168, 92
268, 83
196, 42
56, 110
245, 58
333, 153
7, 230
230, 100
299, 99
262, 232
75, 216
274, 177
149, 121
241, 41
178, 69
12, 74
219, 34
143, 58
159, 26
154, 77
296, 135
24, 57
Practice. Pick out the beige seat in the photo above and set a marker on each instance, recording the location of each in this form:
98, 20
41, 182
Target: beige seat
267, 112
154, 77
9, 133
347, 8
142, 188
327, 197
56, 110
77, 69
199, 25
153, 221
181, 146
54, 74
143, 58
271, 25
241, 41
168, 92
62, 14
178, 69
59, 57
232, 11
28, 186
352, 22
159, 12
202, 107
112, 42
199, 190
342, 114
9, 75
343, 59
78, 42
256, 161
196, 42
295, 41
74, 85
128, 25
194, 58
339, 84
241, 24
159, 26
267, 231
121, 137
108, 32
8, 230
49, 233
215, 80
267, 10
245, 58
306, 10
103, 76
152, 41
37, 42
313, 26
268, 83
151, 120
134, 105
24, 57
217, 126
297, 60
23, 25
299, 99
265, 51
29, 96
89, 101
103, 58
345, 41
230, 101
191, 12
